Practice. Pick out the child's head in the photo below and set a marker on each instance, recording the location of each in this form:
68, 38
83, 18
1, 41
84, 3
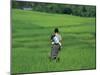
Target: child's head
52, 37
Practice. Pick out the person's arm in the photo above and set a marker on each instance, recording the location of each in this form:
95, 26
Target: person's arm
60, 38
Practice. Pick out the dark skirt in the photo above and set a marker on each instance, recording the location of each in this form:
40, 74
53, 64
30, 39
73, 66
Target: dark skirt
55, 51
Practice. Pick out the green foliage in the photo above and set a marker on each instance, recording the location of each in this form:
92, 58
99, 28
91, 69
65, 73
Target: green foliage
31, 44
78, 10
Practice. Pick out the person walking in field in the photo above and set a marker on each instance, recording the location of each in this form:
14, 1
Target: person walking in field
56, 45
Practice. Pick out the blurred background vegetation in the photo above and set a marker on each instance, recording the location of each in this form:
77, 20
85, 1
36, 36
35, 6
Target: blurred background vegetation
77, 10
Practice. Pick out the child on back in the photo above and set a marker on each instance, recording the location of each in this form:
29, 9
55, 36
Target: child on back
55, 39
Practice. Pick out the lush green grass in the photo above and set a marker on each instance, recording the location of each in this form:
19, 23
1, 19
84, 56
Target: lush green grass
31, 42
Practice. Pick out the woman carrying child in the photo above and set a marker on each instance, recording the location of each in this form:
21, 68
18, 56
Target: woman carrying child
56, 45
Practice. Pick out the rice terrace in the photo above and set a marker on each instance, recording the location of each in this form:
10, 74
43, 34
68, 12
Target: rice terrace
31, 44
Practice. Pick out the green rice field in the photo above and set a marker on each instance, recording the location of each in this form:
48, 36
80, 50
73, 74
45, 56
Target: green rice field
31, 44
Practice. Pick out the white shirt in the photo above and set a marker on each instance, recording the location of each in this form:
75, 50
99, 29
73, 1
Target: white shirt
57, 39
